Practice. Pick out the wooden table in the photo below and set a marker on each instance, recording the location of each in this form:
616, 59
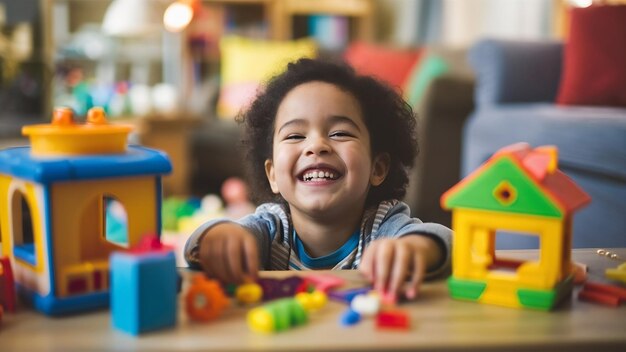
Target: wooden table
438, 323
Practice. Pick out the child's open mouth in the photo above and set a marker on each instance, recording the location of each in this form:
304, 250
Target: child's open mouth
316, 175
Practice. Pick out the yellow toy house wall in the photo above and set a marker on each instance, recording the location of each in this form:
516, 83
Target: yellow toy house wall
12, 192
474, 247
80, 245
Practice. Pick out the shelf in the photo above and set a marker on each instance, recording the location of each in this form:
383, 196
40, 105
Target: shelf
355, 8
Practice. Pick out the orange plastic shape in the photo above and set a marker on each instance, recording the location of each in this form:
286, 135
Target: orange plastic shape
205, 299
66, 137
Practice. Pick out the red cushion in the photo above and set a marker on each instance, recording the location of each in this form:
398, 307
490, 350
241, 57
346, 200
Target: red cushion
390, 65
594, 61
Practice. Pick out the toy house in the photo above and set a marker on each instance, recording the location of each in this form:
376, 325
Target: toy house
56, 196
520, 190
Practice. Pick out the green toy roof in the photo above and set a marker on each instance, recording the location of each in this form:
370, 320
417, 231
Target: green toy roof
518, 179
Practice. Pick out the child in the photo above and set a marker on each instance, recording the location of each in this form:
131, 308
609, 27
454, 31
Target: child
329, 153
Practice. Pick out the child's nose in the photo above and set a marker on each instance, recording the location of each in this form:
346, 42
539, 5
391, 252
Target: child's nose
318, 145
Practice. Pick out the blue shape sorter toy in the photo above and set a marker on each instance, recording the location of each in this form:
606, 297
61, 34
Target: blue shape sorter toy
143, 290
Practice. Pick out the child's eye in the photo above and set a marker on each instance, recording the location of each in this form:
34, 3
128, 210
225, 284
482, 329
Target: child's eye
340, 134
294, 137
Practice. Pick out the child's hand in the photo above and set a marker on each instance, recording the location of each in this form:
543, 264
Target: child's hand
388, 262
228, 252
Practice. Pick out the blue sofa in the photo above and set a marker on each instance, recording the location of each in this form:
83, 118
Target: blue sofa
516, 88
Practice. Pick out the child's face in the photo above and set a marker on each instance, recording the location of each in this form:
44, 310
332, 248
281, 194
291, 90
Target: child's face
322, 163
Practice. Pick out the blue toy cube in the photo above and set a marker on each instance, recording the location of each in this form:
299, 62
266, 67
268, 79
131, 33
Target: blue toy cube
143, 291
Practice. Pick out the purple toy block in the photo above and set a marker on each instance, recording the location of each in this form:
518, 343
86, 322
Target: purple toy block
346, 296
275, 288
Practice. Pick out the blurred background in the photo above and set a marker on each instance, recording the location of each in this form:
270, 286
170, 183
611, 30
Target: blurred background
181, 70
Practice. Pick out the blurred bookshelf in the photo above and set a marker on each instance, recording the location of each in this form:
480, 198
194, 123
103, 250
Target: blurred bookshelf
164, 83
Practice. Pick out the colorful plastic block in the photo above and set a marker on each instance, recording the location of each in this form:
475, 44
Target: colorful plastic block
55, 196
599, 297
325, 282
603, 294
346, 296
312, 301
279, 288
349, 318
285, 313
248, 293
518, 189
618, 274
7, 285
366, 305
278, 315
143, 290
205, 300
393, 319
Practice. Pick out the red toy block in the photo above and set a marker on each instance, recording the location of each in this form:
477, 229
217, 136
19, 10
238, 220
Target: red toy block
607, 289
7, 285
393, 319
598, 297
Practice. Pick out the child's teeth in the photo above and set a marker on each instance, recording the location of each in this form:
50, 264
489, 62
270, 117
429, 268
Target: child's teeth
318, 174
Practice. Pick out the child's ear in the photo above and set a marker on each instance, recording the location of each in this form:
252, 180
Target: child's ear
380, 168
269, 172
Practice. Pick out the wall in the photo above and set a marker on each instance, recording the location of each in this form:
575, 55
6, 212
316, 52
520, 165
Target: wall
459, 23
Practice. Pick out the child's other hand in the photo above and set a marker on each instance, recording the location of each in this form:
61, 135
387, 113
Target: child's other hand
228, 253
388, 262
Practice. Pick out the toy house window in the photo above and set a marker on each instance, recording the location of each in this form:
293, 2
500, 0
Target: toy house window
23, 234
115, 221
512, 260
516, 240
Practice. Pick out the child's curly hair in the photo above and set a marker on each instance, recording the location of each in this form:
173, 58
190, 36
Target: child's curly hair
389, 120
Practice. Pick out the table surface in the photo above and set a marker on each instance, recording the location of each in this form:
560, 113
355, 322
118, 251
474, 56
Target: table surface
438, 323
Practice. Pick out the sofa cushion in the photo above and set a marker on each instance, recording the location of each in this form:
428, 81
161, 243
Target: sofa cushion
592, 139
594, 61
246, 63
391, 65
435, 62
515, 71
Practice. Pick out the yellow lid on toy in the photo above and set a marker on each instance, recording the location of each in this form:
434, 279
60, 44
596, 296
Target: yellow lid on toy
66, 137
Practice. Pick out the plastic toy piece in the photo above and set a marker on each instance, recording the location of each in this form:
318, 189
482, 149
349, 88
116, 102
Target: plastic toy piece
618, 274
7, 285
136, 277
285, 313
518, 189
598, 289
205, 299
66, 137
55, 198
278, 315
599, 297
349, 318
346, 296
248, 293
312, 301
325, 282
276, 288
366, 305
393, 319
